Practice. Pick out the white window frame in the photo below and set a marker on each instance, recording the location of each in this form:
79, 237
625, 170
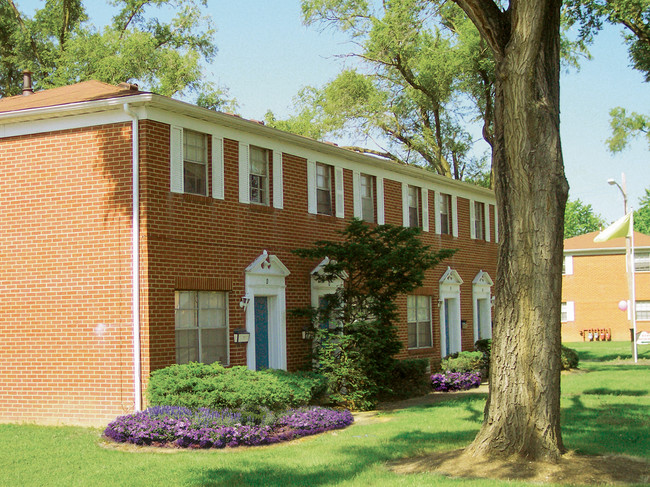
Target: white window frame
325, 172
641, 261
367, 202
196, 309
412, 319
642, 309
446, 202
413, 206
567, 311
264, 178
567, 265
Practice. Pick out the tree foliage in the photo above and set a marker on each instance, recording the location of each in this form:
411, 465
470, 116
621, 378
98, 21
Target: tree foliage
642, 215
375, 264
580, 218
418, 81
60, 46
634, 17
625, 127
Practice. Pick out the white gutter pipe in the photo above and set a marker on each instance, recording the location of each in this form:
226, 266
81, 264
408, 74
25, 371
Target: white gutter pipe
135, 258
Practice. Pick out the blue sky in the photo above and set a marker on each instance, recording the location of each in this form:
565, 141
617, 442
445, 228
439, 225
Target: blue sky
266, 55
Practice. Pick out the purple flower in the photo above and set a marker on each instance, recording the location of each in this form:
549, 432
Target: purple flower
205, 428
455, 381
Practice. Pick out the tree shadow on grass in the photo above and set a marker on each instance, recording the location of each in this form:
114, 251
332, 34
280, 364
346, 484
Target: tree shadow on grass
603, 391
611, 428
353, 460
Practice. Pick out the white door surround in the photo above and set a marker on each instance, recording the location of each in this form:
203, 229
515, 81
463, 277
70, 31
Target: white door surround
265, 276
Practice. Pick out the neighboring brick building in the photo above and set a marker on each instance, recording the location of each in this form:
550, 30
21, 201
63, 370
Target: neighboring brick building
222, 202
594, 281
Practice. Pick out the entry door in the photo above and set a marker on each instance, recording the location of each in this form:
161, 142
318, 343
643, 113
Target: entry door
261, 332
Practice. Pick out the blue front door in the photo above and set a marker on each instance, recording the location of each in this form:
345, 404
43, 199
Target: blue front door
261, 332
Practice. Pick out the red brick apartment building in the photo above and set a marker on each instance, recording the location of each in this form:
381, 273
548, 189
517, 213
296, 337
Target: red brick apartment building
594, 281
219, 203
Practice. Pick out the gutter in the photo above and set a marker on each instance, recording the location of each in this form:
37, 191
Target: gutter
135, 258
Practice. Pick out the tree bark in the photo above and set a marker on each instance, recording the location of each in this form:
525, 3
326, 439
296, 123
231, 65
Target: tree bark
522, 415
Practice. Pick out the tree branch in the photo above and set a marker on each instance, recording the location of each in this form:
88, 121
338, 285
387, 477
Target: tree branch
491, 22
24, 28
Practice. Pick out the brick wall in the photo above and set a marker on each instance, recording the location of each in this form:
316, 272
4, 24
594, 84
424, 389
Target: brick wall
66, 261
65, 277
596, 286
192, 236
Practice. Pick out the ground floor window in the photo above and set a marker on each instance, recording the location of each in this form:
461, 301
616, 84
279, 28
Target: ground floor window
643, 310
201, 327
418, 309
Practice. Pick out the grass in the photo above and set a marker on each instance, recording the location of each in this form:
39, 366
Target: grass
605, 409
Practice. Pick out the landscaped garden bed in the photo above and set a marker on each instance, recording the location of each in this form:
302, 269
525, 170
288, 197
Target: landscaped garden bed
455, 381
175, 426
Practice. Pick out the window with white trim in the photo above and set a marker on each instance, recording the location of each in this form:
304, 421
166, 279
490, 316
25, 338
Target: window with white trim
479, 220
259, 175
201, 327
643, 310
418, 310
414, 206
195, 163
567, 265
367, 187
324, 178
446, 216
567, 311
641, 261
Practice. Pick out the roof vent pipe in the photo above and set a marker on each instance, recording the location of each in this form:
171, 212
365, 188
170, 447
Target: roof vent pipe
27, 83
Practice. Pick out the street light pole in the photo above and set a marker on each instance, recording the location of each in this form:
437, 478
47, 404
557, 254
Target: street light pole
629, 257
622, 189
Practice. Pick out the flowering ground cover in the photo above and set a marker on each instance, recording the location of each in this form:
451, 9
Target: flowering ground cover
206, 428
455, 381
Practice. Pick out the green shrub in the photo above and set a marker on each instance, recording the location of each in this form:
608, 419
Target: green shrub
570, 358
462, 362
408, 378
485, 347
197, 385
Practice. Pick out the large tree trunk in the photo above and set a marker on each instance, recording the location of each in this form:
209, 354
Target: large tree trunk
522, 415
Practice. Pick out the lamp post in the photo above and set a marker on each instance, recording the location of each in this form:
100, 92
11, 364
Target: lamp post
629, 256
622, 189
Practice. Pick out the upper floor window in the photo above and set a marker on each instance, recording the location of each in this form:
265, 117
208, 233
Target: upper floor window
418, 310
201, 327
195, 163
324, 177
641, 261
259, 175
479, 220
414, 206
445, 214
367, 198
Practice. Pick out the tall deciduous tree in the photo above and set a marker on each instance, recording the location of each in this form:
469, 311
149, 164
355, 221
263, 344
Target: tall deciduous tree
522, 415
642, 215
419, 80
60, 46
580, 218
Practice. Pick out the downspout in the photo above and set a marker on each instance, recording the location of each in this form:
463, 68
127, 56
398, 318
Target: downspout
135, 257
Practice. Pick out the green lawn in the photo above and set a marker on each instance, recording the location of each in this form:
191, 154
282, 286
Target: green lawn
605, 409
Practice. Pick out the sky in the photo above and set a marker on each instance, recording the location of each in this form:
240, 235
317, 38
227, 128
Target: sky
266, 55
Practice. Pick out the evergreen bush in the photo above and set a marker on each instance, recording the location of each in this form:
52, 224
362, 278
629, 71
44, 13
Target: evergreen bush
462, 362
197, 385
570, 358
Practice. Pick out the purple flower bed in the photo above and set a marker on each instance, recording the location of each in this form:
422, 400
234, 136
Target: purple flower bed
205, 428
455, 381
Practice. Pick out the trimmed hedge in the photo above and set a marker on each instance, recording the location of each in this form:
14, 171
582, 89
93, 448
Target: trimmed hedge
462, 362
408, 378
197, 385
569, 357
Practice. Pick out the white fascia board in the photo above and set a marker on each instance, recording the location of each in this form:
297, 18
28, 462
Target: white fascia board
610, 251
